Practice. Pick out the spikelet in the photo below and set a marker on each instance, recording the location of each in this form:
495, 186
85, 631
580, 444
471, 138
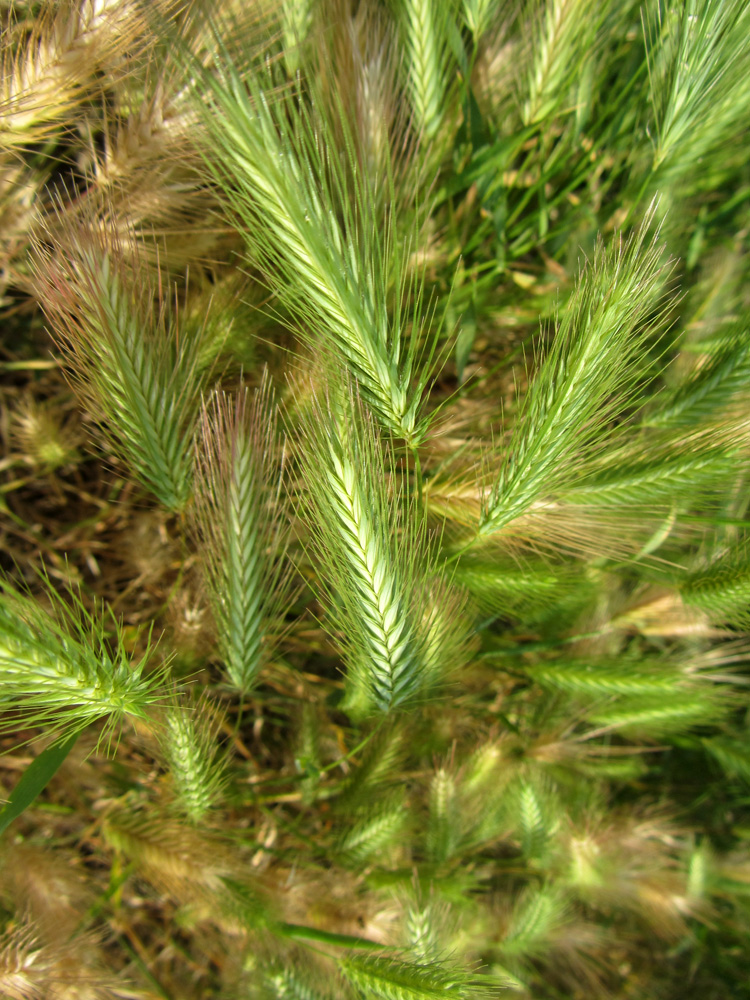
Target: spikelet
698, 57
721, 589
585, 381
20, 188
424, 29
32, 969
313, 223
49, 885
631, 863
376, 562
536, 812
537, 915
425, 924
376, 98
57, 669
377, 769
288, 984
393, 979
376, 832
444, 826
55, 70
130, 362
189, 742
307, 756
178, 860
478, 15
716, 382
48, 440
242, 527
563, 40
296, 17
24, 969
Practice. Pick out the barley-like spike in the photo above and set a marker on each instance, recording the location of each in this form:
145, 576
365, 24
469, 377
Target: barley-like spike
242, 527
197, 769
58, 670
722, 589
391, 645
444, 825
393, 979
59, 66
375, 832
565, 32
714, 386
538, 912
425, 39
651, 716
296, 17
478, 14
585, 381
127, 359
288, 984
609, 678
314, 224
732, 752
424, 923
32, 967
661, 481
376, 558
698, 54
535, 828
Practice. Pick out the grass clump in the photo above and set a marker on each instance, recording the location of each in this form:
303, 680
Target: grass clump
389, 362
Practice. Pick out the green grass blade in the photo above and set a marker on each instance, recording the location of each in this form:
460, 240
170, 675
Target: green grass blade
35, 779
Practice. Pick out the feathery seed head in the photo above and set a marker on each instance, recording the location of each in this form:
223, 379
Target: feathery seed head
376, 560
58, 670
189, 742
130, 361
242, 526
46, 439
586, 380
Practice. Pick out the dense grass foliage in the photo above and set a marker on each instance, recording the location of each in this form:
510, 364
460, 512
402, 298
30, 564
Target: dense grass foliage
374, 386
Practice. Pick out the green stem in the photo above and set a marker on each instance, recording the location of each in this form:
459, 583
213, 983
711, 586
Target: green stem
360, 746
297, 932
